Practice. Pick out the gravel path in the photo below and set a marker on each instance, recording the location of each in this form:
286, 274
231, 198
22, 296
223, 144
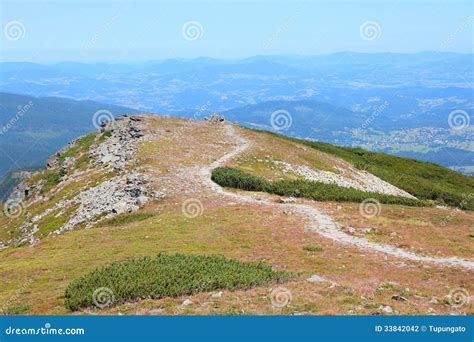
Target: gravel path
317, 221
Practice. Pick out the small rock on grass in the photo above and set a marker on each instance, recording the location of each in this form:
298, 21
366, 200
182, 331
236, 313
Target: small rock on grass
216, 294
385, 308
187, 302
399, 298
156, 311
315, 278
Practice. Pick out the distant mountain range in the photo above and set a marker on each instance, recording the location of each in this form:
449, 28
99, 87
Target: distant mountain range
412, 83
32, 128
394, 103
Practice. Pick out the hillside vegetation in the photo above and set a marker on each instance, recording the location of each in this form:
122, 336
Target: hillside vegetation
166, 276
423, 180
233, 178
111, 250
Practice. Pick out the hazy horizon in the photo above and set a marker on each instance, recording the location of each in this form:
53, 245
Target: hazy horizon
112, 31
230, 59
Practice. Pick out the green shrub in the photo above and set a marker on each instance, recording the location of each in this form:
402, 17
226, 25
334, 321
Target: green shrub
313, 248
81, 145
166, 276
104, 136
230, 177
423, 180
51, 178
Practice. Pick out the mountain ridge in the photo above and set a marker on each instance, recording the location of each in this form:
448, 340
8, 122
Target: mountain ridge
141, 185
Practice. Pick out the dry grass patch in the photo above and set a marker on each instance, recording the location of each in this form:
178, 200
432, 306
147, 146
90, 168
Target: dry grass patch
430, 231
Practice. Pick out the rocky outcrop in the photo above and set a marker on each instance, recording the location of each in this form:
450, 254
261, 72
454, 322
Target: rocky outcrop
118, 195
351, 178
124, 193
215, 118
113, 153
117, 151
22, 190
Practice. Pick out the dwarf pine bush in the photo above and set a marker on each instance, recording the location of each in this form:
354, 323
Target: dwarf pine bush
424, 180
166, 276
233, 178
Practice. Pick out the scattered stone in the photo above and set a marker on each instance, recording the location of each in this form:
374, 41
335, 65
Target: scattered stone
351, 230
434, 300
287, 200
385, 308
316, 278
399, 298
216, 294
187, 302
156, 311
215, 118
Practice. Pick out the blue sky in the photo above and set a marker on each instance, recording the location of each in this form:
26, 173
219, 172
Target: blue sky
42, 31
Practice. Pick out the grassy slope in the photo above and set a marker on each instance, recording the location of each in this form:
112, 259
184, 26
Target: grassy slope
36, 277
50, 179
423, 180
